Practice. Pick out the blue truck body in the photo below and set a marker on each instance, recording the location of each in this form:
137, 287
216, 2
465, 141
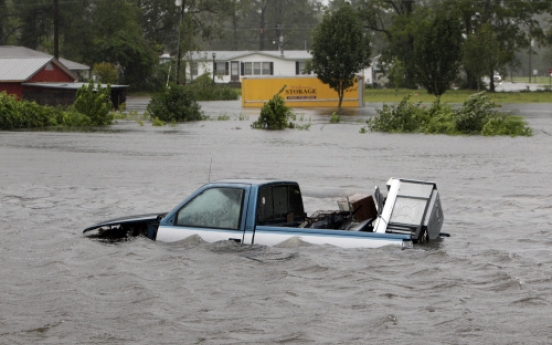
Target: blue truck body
271, 212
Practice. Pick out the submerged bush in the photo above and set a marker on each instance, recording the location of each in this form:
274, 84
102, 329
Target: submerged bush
95, 102
175, 103
404, 117
21, 114
275, 114
16, 114
502, 124
475, 116
70, 117
204, 89
439, 120
474, 113
441, 123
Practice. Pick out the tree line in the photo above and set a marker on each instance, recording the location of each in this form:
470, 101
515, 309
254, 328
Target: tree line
419, 41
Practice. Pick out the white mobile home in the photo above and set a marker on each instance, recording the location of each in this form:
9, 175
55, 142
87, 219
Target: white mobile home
231, 66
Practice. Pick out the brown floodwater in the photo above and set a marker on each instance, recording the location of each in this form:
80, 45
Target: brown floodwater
489, 283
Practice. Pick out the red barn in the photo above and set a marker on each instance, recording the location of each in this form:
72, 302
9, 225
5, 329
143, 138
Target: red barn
35, 76
20, 65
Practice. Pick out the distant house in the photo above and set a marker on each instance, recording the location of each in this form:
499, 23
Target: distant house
231, 66
32, 75
81, 70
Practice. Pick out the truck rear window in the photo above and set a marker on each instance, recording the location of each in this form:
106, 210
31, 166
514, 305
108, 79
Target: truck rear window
279, 204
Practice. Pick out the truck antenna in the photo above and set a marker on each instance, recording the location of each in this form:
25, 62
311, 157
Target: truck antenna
210, 165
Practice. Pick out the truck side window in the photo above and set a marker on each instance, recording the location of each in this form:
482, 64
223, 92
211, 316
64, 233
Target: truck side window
296, 202
280, 201
265, 206
219, 207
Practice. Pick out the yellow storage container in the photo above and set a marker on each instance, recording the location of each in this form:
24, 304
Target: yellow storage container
300, 91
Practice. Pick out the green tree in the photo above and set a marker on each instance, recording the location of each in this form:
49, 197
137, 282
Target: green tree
114, 36
394, 22
291, 20
32, 25
437, 53
236, 15
484, 45
107, 72
513, 23
159, 21
8, 22
128, 50
340, 49
198, 20
258, 25
35, 22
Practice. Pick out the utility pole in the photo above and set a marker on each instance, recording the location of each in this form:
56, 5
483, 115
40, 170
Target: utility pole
56, 29
262, 24
280, 39
530, 48
182, 4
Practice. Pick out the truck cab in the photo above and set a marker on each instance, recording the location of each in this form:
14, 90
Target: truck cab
231, 209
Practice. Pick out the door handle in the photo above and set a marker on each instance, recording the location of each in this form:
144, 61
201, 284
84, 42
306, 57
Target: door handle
237, 240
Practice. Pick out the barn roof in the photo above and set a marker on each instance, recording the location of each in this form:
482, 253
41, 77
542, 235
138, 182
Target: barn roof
20, 70
19, 64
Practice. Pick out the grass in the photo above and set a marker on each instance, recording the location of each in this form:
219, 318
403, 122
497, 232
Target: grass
451, 96
534, 80
454, 96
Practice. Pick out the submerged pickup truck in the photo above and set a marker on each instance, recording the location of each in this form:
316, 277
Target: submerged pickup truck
269, 212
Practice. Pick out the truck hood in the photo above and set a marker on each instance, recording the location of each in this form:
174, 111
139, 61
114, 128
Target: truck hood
127, 220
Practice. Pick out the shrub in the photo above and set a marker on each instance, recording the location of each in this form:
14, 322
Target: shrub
502, 124
405, 117
275, 114
175, 103
32, 115
335, 118
8, 111
203, 89
475, 116
95, 103
156, 122
442, 123
439, 119
24, 114
474, 113
70, 117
